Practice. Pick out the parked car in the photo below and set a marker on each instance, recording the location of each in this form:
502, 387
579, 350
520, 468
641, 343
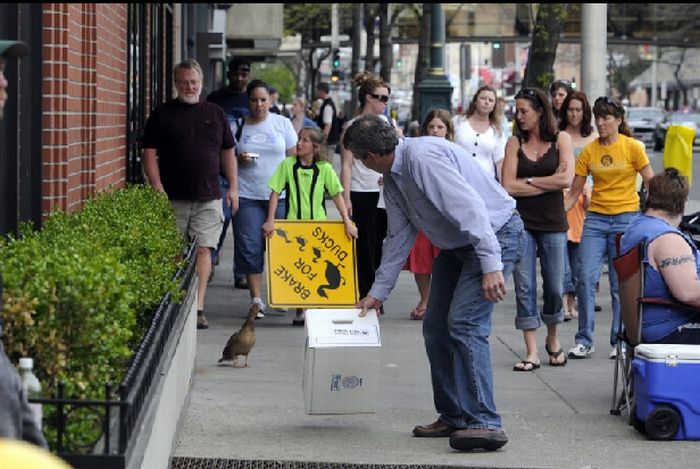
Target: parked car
677, 118
644, 122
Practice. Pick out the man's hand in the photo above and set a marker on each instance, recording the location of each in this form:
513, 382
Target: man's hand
366, 303
232, 201
494, 286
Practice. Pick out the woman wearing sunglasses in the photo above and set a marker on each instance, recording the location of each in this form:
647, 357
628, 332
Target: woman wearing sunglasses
613, 160
539, 163
361, 186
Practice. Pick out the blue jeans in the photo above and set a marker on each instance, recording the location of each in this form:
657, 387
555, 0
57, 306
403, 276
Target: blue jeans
551, 248
248, 240
572, 268
597, 244
456, 330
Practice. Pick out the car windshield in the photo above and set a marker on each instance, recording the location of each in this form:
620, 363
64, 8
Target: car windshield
645, 114
684, 118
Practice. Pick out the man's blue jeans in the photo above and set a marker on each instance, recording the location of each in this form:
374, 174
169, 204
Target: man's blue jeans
597, 244
551, 248
456, 330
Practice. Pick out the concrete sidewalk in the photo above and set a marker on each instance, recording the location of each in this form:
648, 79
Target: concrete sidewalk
554, 417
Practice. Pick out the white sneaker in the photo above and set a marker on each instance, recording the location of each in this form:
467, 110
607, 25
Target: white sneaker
261, 313
581, 351
613, 352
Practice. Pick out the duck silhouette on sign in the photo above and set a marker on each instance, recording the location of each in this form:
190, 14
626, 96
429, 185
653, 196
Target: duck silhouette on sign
333, 278
302, 242
282, 234
317, 254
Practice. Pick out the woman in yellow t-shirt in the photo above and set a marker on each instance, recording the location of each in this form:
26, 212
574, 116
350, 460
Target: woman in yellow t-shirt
613, 160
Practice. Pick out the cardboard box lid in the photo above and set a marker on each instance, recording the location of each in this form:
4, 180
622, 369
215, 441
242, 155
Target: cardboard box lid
342, 328
664, 351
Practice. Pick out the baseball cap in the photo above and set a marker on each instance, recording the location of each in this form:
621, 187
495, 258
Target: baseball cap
239, 63
9, 48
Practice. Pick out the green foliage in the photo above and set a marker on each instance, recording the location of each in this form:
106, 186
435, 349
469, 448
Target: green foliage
79, 293
279, 76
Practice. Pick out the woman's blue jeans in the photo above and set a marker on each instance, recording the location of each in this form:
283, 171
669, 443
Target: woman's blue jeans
550, 247
572, 267
248, 240
456, 330
598, 244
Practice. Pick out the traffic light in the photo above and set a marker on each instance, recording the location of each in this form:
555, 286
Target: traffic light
336, 59
335, 76
399, 63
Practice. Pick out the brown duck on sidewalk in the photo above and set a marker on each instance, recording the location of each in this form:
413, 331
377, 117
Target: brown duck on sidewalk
241, 342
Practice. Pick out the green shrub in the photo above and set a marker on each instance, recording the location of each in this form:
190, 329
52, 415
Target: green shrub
79, 294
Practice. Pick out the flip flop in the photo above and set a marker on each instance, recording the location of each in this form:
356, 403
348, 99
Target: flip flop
555, 355
525, 363
418, 313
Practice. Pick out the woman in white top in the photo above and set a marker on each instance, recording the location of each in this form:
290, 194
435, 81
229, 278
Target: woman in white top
479, 131
576, 120
361, 186
264, 141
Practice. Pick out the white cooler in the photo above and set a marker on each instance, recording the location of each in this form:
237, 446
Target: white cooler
341, 362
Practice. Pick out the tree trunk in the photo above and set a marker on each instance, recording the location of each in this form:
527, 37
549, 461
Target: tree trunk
369, 28
681, 85
423, 59
545, 39
356, 54
386, 53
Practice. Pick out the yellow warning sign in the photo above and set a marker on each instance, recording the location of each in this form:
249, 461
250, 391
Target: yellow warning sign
311, 264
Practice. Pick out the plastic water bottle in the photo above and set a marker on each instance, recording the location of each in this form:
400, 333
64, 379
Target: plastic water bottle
32, 387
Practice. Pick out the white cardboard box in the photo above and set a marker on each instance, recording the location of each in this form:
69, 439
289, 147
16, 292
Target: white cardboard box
341, 361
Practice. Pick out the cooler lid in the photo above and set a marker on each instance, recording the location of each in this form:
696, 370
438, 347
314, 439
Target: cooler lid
342, 328
664, 351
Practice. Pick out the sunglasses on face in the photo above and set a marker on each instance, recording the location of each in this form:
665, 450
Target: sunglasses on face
381, 97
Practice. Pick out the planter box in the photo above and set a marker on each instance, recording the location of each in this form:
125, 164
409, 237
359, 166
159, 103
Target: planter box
140, 426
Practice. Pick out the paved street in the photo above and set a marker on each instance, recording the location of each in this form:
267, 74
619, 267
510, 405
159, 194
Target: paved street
555, 417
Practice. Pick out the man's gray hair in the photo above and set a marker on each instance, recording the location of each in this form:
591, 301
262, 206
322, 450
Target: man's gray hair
188, 64
370, 133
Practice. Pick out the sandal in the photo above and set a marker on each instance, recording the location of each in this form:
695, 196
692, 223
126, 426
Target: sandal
524, 364
418, 313
568, 316
555, 356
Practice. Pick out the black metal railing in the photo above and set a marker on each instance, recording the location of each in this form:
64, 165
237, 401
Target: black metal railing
122, 411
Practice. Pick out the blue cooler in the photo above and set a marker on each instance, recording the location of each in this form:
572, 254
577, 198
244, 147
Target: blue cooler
667, 391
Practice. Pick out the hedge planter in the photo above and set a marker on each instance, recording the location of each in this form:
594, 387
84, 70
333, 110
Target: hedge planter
98, 297
130, 421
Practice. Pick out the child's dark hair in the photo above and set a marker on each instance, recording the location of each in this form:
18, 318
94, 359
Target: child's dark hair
318, 138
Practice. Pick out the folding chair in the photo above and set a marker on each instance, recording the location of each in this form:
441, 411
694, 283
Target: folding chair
630, 276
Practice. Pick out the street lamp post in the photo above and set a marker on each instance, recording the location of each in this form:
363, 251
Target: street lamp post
435, 90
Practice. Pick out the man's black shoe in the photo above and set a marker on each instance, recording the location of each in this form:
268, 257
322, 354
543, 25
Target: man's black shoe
478, 438
242, 283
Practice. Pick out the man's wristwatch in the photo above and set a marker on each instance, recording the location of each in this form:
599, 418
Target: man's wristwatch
528, 181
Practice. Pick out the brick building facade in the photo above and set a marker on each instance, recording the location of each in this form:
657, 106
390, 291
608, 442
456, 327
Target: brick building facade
79, 101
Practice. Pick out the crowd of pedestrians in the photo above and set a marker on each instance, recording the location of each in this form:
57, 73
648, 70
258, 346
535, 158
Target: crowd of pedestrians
464, 201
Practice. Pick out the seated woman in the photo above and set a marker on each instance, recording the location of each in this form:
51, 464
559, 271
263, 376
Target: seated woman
671, 262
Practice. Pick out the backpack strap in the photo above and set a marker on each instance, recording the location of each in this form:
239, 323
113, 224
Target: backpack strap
239, 128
